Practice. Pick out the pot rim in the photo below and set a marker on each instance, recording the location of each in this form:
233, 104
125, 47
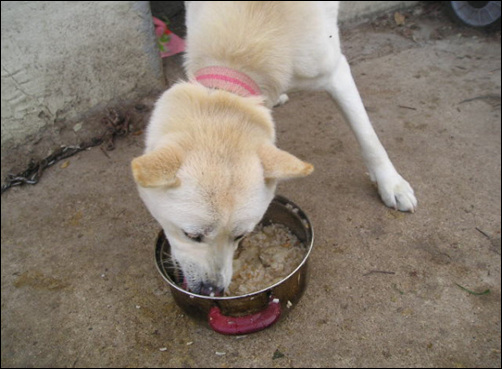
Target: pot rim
283, 201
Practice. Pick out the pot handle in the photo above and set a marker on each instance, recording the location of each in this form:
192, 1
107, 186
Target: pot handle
245, 324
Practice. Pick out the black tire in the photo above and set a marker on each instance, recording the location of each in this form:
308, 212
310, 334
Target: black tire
478, 14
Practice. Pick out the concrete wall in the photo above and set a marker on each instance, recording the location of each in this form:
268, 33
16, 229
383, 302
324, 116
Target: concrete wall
63, 60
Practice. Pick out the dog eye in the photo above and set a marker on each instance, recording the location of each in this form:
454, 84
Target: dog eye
239, 237
197, 237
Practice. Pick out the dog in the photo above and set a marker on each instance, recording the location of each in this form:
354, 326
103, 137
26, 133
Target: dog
210, 167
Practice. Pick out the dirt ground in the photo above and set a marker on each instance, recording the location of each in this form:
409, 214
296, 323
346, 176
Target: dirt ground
80, 288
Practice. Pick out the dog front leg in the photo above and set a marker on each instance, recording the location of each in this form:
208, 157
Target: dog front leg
394, 190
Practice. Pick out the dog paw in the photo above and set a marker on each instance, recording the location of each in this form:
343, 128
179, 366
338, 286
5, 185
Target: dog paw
396, 192
283, 99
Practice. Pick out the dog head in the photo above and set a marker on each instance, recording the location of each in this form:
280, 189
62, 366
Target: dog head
208, 174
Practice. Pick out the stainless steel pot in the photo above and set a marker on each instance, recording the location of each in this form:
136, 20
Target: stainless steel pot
254, 311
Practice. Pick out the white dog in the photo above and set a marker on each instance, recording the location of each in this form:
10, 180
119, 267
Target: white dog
210, 167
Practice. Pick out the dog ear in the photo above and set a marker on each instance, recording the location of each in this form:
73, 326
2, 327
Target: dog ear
157, 168
278, 164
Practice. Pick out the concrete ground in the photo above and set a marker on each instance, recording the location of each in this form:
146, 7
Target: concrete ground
79, 284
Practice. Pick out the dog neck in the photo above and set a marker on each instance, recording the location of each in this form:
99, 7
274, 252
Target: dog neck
228, 79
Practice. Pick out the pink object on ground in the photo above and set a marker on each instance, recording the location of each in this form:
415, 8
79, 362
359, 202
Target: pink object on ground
245, 324
175, 44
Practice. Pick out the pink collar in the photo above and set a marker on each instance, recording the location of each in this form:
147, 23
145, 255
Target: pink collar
227, 79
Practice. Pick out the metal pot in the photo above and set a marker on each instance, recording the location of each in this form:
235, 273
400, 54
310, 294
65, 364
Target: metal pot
254, 311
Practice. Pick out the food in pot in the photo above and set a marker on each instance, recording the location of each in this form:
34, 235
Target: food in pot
266, 256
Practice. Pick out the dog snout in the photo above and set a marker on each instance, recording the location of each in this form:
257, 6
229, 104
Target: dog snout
210, 289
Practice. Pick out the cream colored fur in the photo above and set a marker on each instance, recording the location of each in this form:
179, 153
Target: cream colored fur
211, 166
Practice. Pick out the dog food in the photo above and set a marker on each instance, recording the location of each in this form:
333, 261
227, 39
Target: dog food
263, 258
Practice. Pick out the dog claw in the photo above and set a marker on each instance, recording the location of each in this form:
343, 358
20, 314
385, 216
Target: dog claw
397, 193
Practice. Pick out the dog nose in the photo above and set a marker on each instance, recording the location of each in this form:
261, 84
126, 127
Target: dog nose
209, 289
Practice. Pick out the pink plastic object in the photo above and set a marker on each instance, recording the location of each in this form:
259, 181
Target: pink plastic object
175, 44
245, 324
